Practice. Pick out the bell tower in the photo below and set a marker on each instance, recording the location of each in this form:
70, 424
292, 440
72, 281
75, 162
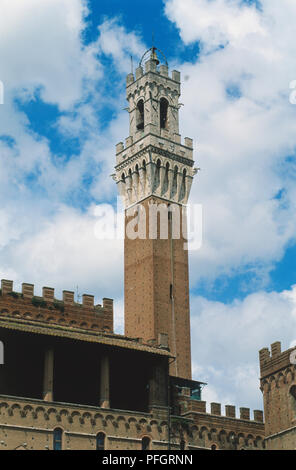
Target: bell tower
154, 168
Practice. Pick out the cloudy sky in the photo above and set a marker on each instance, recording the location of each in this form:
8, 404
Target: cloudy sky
63, 65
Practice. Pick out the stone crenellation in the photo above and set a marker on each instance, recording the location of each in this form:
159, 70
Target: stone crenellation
274, 360
49, 309
197, 406
132, 146
153, 160
162, 71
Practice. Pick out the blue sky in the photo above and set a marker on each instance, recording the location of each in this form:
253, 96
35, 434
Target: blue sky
64, 75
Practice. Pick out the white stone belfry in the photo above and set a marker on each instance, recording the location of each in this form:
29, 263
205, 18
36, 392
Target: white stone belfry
153, 160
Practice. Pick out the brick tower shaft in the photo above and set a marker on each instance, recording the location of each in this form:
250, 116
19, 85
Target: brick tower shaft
157, 292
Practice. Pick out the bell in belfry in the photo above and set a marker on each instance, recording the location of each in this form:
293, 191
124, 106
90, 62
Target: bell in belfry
154, 55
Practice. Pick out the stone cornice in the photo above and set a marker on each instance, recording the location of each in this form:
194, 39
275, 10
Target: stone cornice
158, 151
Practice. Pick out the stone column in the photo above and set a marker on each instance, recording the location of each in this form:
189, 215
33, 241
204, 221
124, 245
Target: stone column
105, 383
48, 375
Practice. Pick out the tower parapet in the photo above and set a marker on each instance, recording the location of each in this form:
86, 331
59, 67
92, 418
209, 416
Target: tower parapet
153, 160
278, 385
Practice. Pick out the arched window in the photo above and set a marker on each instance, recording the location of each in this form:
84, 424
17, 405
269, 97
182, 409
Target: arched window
140, 115
57, 439
164, 105
213, 447
183, 187
145, 443
101, 441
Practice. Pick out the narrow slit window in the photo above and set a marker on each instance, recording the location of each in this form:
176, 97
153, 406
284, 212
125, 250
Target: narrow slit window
164, 105
140, 115
293, 398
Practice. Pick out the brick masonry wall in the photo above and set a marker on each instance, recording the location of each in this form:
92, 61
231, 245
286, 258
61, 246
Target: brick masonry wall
25, 305
148, 304
29, 424
223, 431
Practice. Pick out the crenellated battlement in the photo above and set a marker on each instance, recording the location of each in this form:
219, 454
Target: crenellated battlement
223, 431
151, 68
274, 360
195, 406
132, 146
47, 308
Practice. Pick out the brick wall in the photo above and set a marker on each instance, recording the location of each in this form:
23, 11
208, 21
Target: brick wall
151, 267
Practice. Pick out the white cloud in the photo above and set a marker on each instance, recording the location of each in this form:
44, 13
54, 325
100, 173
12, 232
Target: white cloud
41, 239
116, 42
242, 142
40, 45
214, 22
65, 253
42, 54
226, 340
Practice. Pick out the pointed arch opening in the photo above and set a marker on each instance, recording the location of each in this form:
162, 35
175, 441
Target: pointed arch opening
146, 443
100, 441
